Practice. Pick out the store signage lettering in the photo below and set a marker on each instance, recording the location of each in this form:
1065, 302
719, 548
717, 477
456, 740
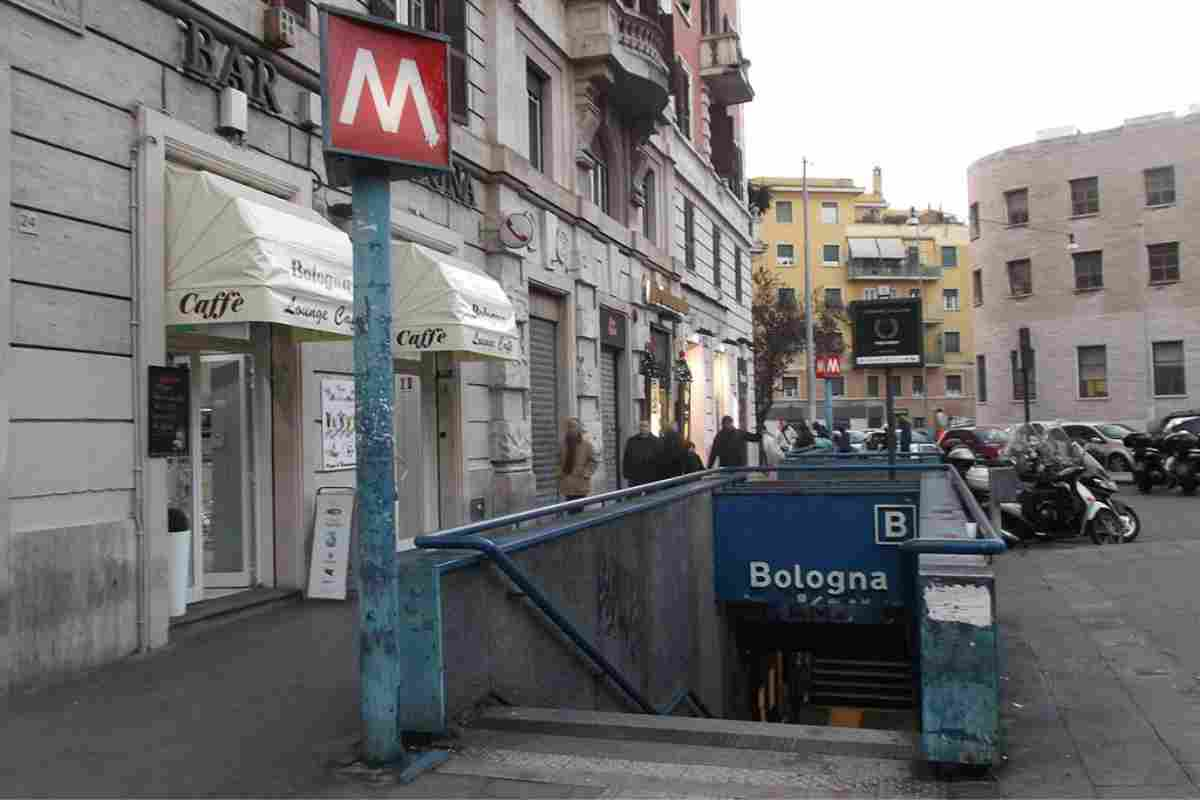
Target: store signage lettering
421, 340
211, 308
834, 582
455, 184
243, 72
887, 332
484, 311
662, 297
326, 280
503, 344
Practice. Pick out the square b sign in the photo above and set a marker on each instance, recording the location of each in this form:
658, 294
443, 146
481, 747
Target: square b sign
895, 524
385, 90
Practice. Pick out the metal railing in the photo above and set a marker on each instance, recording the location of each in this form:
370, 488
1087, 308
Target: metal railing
895, 269
639, 498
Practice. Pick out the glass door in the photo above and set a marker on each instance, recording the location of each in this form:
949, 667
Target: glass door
225, 539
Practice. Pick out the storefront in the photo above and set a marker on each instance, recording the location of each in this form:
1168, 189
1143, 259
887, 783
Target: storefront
613, 341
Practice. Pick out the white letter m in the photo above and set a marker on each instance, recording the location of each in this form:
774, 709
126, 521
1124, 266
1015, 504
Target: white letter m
408, 78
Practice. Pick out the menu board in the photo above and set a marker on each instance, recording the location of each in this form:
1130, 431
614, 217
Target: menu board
169, 411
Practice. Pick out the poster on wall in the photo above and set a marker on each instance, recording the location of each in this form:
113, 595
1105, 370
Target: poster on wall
328, 567
337, 424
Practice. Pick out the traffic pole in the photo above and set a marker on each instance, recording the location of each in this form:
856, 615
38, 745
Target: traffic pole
829, 405
379, 590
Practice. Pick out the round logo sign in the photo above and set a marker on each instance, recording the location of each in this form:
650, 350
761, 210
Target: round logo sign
887, 328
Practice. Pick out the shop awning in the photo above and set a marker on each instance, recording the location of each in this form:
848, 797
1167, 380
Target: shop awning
235, 254
865, 247
444, 304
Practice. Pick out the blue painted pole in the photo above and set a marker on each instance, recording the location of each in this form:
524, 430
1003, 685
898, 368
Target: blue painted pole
379, 589
829, 405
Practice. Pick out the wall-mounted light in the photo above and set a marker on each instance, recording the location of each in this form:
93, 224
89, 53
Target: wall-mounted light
1071, 244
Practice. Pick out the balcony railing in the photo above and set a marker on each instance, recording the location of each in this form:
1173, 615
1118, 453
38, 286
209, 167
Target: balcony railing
724, 68
860, 269
625, 34
641, 34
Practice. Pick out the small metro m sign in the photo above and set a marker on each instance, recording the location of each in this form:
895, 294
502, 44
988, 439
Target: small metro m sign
829, 367
386, 93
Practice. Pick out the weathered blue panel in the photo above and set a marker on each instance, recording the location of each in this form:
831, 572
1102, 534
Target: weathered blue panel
825, 557
421, 701
960, 689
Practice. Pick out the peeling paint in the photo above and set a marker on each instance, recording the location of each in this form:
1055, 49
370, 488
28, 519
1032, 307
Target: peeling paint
967, 603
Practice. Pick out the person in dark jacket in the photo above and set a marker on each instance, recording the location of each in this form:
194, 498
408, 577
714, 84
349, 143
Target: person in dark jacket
729, 446
842, 436
672, 456
694, 462
641, 456
804, 436
905, 434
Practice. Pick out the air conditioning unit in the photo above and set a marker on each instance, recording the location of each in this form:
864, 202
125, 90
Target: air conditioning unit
785, 261
310, 110
233, 112
279, 28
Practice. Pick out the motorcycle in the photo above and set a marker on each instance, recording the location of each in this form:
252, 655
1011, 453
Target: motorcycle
1168, 461
1063, 496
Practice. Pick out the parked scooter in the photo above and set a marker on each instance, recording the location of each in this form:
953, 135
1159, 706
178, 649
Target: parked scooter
1097, 479
1167, 461
1057, 500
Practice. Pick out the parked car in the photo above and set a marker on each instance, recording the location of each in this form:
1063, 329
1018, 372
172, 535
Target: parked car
986, 441
858, 441
923, 444
1106, 441
1180, 421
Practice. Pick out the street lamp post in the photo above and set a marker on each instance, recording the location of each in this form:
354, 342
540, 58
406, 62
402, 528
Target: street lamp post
808, 306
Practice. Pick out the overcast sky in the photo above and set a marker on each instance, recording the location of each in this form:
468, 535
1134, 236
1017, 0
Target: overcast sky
923, 89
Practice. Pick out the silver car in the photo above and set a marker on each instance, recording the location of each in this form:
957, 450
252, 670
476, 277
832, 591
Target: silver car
1108, 438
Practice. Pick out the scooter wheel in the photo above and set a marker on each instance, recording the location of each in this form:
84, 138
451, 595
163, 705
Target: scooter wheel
1188, 485
1130, 523
1106, 528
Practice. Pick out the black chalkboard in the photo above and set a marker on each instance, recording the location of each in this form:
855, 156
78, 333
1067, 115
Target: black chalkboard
169, 411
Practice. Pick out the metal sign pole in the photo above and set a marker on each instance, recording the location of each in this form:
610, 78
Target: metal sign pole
891, 422
379, 596
829, 405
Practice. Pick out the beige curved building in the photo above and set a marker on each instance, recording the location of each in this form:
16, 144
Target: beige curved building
1091, 241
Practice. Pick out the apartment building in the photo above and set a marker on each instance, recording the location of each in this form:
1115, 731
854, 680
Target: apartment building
1087, 240
607, 131
860, 249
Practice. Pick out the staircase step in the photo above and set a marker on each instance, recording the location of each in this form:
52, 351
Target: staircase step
778, 737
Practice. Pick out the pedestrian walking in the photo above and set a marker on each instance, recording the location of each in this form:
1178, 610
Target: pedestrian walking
693, 460
672, 457
940, 422
640, 462
729, 446
578, 463
905, 434
842, 438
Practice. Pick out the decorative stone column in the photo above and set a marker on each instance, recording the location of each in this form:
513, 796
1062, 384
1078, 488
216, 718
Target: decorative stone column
706, 124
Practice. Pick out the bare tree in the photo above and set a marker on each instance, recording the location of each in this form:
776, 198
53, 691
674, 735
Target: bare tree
779, 336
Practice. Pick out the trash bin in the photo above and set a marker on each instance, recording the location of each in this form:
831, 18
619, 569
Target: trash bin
179, 530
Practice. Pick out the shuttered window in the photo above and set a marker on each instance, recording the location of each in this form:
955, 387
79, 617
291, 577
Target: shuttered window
609, 416
543, 396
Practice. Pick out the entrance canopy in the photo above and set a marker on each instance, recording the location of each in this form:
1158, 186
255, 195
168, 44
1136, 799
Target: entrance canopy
861, 247
235, 254
444, 304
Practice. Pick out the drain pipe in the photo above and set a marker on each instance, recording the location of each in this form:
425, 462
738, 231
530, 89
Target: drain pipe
139, 453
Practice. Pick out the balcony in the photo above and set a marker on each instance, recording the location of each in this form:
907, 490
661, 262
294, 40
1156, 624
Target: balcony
621, 45
870, 269
724, 69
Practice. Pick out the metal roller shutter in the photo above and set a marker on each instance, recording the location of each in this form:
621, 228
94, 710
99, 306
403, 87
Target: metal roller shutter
543, 394
608, 416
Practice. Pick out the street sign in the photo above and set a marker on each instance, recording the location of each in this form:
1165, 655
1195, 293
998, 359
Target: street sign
888, 333
386, 92
829, 367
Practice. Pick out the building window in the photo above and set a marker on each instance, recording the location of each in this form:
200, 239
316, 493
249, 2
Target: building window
950, 300
1093, 371
1168, 369
974, 219
783, 211
872, 386
1085, 196
914, 293
650, 207
831, 255
1089, 270
837, 386
785, 254
791, 387
689, 234
952, 340
977, 286
954, 386
787, 296
833, 298
424, 14
299, 9
1017, 204
913, 255
683, 98
1164, 262
949, 256
535, 86
829, 213
895, 385
456, 27
598, 188
1017, 381
1020, 277
737, 273
709, 16
1160, 186
918, 422
918, 385
716, 255
981, 378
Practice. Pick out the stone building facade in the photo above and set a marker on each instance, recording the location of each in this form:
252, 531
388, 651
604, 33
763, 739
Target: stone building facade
563, 117
1086, 239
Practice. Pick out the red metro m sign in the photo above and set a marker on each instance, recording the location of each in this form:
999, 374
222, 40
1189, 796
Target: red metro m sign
829, 367
386, 95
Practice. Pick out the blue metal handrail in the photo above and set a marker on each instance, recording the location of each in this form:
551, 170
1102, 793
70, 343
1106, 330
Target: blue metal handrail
466, 537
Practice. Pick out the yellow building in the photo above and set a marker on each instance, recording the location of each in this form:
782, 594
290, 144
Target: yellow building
859, 249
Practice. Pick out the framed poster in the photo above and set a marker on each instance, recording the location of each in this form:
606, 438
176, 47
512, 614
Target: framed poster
338, 430
888, 333
328, 568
